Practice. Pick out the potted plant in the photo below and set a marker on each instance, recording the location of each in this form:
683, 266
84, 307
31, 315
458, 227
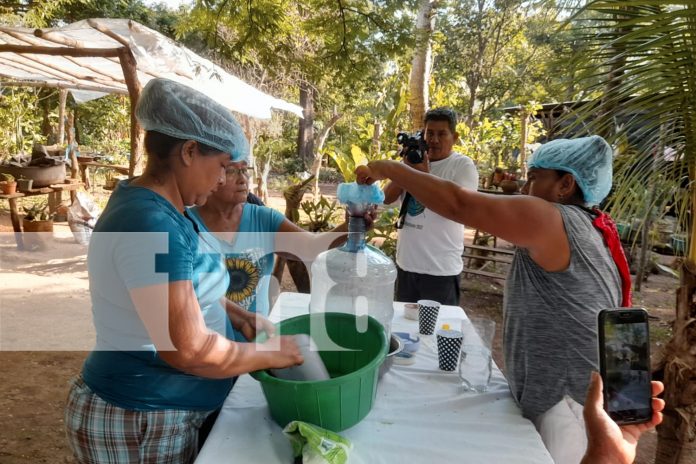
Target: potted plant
509, 183
111, 181
24, 184
8, 186
37, 218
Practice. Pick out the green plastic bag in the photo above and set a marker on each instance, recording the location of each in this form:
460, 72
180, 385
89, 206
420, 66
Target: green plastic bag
317, 445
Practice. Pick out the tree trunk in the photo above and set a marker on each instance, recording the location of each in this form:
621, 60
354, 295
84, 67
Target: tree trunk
420, 65
677, 434
46, 129
298, 270
262, 179
76, 126
250, 132
645, 247
608, 103
376, 144
523, 143
318, 155
305, 135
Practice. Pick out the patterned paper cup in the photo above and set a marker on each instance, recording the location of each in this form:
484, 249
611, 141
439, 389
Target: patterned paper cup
449, 344
427, 316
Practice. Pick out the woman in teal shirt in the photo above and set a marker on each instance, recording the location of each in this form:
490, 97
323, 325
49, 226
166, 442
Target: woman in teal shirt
250, 235
163, 359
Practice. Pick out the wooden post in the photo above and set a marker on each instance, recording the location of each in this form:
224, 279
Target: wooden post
62, 97
74, 164
130, 73
14, 216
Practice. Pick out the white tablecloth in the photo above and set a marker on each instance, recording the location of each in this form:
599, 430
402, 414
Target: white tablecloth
420, 415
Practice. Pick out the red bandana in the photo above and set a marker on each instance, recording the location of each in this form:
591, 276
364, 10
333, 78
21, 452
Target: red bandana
604, 223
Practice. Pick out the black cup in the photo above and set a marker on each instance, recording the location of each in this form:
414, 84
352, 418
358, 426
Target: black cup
427, 316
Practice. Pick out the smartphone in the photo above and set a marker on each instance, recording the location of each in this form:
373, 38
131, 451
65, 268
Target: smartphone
624, 360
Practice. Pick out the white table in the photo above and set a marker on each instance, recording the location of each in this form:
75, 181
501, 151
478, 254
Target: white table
420, 415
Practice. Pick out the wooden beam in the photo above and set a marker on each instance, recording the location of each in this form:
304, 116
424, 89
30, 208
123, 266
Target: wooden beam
59, 51
31, 65
13, 61
130, 72
76, 74
108, 32
62, 98
56, 38
96, 70
62, 85
43, 37
74, 163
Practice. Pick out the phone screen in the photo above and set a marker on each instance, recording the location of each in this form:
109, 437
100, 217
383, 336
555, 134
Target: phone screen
626, 368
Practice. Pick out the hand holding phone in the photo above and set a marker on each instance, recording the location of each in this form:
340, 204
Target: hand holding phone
607, 441
624, 359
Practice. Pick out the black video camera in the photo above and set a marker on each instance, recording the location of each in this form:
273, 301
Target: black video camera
414, 146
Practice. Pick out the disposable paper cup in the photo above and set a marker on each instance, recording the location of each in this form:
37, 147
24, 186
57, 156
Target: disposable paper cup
427, 316
449, 344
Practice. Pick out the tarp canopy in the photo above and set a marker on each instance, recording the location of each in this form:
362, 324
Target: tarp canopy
90, 77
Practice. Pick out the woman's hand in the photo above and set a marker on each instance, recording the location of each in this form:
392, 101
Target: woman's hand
370, 217
283, 352
370, 173
248, 323
251, 325
608, 442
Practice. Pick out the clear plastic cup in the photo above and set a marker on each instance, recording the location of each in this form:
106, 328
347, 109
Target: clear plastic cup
475, 361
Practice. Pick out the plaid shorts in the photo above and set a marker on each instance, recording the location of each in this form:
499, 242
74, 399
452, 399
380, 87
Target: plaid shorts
99, 432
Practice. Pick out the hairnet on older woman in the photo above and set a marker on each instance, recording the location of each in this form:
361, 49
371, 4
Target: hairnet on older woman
181, 112
588, 159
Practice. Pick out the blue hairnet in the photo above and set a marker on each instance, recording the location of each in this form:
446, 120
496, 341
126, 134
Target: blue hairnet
179, 111
588, 159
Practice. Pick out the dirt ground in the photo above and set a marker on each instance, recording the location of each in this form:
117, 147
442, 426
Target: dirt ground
46, 329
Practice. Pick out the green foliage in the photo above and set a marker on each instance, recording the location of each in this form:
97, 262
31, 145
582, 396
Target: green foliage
645, 54
492, 54
321, 214
383, 233
20, 120
52, 13
104, 125
347, 162
7, 177
492, 142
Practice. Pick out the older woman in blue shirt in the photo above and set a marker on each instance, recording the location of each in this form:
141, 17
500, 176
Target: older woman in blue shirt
163, 359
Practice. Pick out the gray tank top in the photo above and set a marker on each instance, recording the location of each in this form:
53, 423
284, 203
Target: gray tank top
550, 318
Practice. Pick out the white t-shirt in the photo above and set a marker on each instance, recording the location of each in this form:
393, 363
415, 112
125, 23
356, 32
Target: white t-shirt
429, 243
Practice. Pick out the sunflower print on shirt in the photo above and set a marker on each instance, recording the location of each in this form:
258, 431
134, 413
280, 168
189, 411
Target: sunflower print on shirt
244, 273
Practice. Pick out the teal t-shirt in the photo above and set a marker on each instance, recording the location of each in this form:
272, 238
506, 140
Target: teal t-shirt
141, 240
249, 256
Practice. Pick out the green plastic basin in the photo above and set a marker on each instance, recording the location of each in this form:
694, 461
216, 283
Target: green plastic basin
345, 399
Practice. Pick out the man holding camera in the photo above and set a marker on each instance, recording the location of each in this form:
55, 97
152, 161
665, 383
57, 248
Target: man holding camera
429, 249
